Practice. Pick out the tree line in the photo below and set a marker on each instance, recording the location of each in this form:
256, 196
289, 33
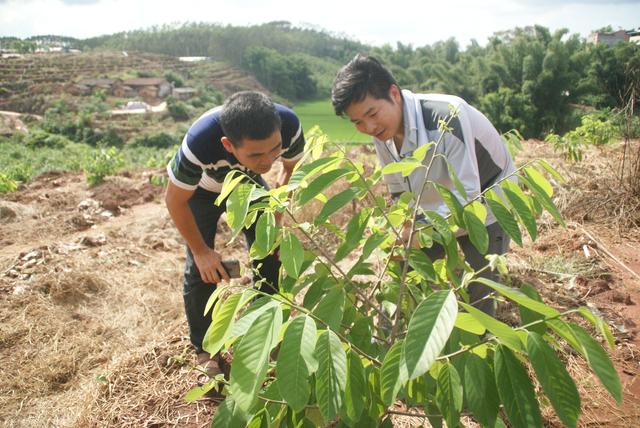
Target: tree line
527, 78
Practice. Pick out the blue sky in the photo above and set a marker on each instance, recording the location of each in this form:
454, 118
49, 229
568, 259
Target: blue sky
415, 22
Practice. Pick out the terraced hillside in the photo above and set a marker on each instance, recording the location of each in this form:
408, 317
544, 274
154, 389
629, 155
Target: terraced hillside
28, 84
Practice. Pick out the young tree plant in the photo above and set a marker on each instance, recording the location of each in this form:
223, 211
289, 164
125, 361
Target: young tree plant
375, 321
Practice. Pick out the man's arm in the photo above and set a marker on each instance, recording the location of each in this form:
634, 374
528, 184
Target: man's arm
286, 171
207, 260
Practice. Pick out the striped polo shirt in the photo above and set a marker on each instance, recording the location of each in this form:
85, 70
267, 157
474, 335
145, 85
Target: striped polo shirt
203, 161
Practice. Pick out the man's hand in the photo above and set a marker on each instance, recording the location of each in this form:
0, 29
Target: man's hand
209, 264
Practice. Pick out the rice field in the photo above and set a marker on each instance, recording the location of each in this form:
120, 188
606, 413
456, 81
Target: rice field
321, 113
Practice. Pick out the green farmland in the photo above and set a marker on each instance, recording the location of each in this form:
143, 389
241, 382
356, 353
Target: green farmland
321, 113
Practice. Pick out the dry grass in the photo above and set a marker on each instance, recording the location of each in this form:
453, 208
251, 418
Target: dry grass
77, 315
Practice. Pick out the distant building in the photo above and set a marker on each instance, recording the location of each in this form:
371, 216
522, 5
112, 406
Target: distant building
148, 88
609, 38
192, 58
184, 93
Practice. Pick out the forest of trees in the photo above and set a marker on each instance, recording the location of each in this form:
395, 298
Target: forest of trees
529, 79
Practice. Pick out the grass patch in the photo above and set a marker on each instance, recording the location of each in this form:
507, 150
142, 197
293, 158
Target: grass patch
339, 130
21, 163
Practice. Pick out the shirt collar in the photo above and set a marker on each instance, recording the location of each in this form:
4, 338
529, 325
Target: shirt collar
410, 142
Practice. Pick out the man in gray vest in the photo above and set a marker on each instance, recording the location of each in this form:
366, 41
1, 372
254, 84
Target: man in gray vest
400, 121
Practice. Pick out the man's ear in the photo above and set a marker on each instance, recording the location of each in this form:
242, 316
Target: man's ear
394, 93
228, 145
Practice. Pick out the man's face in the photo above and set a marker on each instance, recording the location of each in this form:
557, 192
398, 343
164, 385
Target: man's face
380, 118
256, 155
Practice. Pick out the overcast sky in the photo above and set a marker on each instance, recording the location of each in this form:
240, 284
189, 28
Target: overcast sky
416, 22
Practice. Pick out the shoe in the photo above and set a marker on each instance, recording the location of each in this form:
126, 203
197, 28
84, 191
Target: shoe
209, 368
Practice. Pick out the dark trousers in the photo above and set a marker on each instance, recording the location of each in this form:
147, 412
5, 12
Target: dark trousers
196, 292
498, 244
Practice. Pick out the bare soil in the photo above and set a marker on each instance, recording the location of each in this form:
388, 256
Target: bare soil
92, 330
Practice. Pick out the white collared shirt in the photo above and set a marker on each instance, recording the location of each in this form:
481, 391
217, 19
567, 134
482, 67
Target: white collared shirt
473, 147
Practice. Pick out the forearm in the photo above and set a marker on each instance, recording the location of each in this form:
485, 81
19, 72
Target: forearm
186, 224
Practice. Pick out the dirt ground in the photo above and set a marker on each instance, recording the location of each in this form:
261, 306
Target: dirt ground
92, 330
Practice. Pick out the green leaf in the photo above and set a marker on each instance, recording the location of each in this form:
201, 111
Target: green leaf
555, 381
405, 167
441, 225
419, 261
421, 152
251, 357
261, 419
355, 231
428, 331
563, 330
515, 390
335, 203
374, 241
467, 322
452, 203
266, 232
319, 184
476, 229
331, 308
228, 415
293, 371
527, 316
291, 254
519, 297
331, 377
356, 391
480, 390
393, 373
456, 181
518, 201
542, 197
449, 394
551, 170
505, 333
222, 323
199, 391
213, 298
309, 169
504, 217
256, 309
539, 180
599, 362
600, 325
238, 206
231, 180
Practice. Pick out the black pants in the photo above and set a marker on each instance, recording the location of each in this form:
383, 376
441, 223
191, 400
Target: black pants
498, 244
196, 292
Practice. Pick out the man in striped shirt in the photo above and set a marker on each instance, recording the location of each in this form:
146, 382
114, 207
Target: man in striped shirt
248, 133
400, 121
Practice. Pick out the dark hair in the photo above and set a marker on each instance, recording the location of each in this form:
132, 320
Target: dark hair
363, 75
249, 114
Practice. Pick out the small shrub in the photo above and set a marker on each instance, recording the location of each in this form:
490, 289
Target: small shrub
594, 130
105, 163
7, 185
173, 77
39, 138
161, 140
145, 73
208, 97
177, 109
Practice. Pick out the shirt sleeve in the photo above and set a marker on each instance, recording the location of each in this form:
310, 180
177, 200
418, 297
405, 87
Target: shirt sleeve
184, 169
296, 145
